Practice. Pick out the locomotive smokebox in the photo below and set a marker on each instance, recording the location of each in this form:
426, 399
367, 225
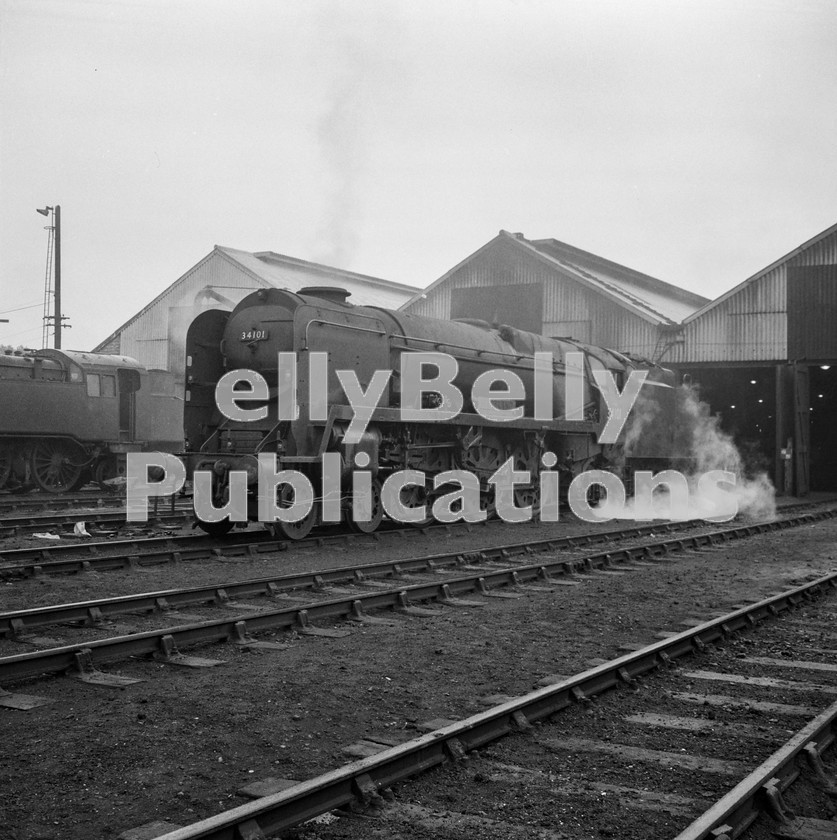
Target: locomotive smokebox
331, 293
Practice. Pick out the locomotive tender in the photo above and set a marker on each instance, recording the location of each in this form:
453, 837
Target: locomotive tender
365, 339
67, 417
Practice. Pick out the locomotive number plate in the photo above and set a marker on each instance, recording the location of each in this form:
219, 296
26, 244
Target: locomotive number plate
253, 335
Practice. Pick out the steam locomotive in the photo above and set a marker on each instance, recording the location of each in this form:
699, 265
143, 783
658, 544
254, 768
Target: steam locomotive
365, 339
68, 417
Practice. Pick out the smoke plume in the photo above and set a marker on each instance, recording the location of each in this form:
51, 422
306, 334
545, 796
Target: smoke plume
698, 446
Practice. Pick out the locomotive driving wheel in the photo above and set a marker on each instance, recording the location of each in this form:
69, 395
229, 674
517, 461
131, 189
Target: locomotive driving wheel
216, 529
294, 530
104, 471
56, 465
526, 459
224, 526
416, 496
5, 463
483, 458
367, 526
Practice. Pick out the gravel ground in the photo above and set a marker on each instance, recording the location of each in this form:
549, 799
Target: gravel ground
178, 745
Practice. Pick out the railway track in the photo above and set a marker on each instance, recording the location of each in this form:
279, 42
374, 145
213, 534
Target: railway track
108, 555
172, 512
701, 749
374, 587
113, 555
13, 502
22, 524
93, 747
22, 624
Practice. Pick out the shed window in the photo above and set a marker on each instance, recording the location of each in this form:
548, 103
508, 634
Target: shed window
94, 385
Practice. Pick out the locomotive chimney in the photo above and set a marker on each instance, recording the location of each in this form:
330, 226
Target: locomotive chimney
331, 293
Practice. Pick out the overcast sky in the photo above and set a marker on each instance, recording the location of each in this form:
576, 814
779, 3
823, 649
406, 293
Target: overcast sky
693, 141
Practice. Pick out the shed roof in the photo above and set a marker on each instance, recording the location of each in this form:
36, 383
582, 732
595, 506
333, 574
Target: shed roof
660, 300
651, 299
758, 275
267, 269
286, 272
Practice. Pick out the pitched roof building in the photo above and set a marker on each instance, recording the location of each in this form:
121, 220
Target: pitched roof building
156, 335
549, 287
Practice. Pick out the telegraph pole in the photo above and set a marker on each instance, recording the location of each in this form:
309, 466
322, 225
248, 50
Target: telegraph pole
56, 215
57, 317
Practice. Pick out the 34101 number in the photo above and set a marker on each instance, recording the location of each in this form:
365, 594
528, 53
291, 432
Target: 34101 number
253, 335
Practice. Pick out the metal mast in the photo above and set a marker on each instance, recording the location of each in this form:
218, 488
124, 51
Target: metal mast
53, 262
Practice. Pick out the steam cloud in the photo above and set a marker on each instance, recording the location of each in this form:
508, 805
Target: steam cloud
699, 446
342, 150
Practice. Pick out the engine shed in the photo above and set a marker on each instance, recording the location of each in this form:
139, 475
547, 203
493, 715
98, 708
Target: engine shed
764, 356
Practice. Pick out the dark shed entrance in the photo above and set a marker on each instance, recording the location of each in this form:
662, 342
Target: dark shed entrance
812, 343
744, 400
822, 395
782, 418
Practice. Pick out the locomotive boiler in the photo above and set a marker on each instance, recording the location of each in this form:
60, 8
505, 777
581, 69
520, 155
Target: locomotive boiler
319, 321
68, 417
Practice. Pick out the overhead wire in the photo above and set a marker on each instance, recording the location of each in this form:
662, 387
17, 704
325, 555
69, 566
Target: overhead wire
20, 308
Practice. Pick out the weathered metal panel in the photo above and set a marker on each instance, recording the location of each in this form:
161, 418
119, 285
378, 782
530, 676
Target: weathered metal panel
519, 305
433, 304
751, 325
610, 325
823, 252
499, 265
112, 348
812, 312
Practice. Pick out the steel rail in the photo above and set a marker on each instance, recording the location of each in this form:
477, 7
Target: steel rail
16, 623
136, 553
96, 556
93, 556
12, 503
238, 627
16, 525
734, 813
177, 548
153, 551
362, 779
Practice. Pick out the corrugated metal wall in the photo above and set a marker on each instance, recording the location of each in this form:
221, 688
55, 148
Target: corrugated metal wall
610, 325
568, 307
112, 348
823, 252
749, 326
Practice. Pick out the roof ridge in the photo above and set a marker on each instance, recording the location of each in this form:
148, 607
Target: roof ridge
619, 291
656, 284
276, 257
